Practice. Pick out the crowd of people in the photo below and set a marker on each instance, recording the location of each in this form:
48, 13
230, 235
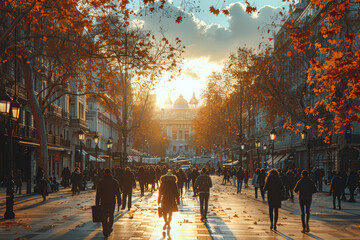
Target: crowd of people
280, 185
117, 186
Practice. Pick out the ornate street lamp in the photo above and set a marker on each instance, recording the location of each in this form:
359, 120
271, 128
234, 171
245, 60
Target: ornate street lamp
11, 112
265, 147
96, 141
306, 140
272, 141
109, 145
5, 102
257, 146
81, 136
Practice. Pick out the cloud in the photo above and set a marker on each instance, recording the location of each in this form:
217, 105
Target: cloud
213, 41
190, 72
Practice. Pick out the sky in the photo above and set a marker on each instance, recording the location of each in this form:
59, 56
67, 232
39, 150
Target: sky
210, 39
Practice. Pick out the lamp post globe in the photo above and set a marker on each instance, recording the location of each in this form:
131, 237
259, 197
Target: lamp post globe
273, 135
5, 102
96, 139
303, 134
265, 147
257, 143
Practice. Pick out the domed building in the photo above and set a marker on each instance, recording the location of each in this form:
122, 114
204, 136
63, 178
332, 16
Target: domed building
176, 118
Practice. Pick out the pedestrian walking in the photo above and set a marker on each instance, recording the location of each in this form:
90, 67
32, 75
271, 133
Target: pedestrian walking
255, 181
181, 179
274, 186
344, 177
261, 181
158, 175
128, 181
352, 181
233, 175
168, 198
246, 178
203, 184
240, 178
142, 179
107, 191
187, 183
336, 189
306, 188
290, 184
18, 179
76, 179
151, 178
194, 174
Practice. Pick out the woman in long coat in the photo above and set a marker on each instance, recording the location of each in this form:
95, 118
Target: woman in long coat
168, 197
274, 186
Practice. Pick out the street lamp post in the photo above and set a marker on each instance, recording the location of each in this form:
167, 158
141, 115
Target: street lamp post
305, 138
272, 141
81, 139
257, 145
11, 112
265, 149
109, 147
96, 141
242, 147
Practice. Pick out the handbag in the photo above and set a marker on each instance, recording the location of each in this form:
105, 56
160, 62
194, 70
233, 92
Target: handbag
97, 213
283, 195
160, 212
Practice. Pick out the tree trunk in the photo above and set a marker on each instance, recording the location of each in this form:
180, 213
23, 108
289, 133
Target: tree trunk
37, 114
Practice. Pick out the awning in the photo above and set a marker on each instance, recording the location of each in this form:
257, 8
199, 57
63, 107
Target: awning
276, 159
33, 144
91, 157
231, 163
283, 158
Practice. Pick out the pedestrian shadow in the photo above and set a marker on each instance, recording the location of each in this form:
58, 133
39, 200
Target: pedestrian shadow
216, 228
283, 235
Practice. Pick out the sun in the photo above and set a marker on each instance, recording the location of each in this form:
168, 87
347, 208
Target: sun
192, 80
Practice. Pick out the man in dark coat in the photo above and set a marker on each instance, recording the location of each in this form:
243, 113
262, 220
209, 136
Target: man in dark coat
305, 187
18, 180
128, 181
203, 184
336, 189
182, 178
108, 188
194, 174
351, 184
152, 178
240, 178
141, 175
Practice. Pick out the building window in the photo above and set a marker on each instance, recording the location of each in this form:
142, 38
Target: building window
81, 111
174, 133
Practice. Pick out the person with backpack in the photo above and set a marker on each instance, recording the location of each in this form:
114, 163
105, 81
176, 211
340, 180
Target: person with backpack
305, 187
203, 184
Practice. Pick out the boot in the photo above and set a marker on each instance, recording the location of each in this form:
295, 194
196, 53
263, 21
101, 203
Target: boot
307, 227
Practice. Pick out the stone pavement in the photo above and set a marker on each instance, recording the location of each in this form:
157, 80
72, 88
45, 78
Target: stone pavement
231, 216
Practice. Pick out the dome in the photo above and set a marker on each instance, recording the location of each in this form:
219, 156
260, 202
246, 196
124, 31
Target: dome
193, 100
181, 103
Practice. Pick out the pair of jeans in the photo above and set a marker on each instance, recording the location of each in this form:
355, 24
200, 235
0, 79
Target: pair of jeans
107, 223
127, 196
204, 202
239, 185
234, 180
305, 210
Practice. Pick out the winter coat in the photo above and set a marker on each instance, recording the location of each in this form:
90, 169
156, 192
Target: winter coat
240, 175
255, 181
290, 180
108, 188
274, 186
168, 193
261, 179
203, 183
128, 181
151, 175
76, 178
306, 187
181, 177
194, 174
352, 180
336, 186
142, 177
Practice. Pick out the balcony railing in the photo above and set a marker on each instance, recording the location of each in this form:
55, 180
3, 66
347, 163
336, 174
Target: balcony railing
55, 109
25, 131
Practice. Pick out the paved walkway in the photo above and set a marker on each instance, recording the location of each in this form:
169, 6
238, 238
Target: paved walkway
231, 216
